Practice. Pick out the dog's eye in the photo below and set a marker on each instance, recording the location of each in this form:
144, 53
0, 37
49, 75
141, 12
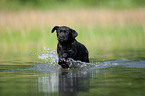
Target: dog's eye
63, 31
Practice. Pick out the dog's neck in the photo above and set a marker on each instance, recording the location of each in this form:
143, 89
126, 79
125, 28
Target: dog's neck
68, 42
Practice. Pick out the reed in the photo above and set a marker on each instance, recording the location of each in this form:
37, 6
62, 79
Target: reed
96, 39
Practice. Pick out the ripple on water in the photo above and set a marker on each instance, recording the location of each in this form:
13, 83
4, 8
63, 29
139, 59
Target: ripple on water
51, 58
51, 63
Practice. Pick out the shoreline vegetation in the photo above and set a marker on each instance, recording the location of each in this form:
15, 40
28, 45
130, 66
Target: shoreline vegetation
75, 18
99, 30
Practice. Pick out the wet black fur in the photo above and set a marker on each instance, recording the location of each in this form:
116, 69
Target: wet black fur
68, 47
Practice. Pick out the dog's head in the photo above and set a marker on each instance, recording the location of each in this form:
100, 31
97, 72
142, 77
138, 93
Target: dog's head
65, 34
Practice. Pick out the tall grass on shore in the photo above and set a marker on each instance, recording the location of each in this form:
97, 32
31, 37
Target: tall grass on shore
99, 30
96, 38
73, 18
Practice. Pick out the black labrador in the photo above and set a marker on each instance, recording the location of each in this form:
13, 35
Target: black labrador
68, 47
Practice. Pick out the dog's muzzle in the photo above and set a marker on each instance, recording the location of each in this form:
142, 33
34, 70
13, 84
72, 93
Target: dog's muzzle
62, 39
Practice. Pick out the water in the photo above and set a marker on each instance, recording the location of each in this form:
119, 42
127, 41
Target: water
39, 75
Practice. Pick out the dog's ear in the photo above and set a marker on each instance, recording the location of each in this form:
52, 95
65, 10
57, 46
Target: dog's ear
74, 33
54, 28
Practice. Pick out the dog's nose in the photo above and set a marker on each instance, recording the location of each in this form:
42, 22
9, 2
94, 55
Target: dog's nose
60, 38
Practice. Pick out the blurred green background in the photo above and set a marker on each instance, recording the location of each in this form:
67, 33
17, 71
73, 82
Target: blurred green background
102, 25
73, 4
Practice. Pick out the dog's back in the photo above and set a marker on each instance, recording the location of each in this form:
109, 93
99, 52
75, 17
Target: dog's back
82, 53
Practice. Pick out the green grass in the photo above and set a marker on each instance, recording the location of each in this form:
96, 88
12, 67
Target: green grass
96, 39
57, 4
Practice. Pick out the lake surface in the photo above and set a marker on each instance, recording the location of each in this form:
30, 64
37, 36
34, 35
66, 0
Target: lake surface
121, 74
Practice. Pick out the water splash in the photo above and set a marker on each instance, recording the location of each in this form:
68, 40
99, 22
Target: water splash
78, 64
49, 57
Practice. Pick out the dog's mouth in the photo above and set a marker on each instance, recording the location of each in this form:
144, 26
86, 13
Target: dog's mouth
62, 39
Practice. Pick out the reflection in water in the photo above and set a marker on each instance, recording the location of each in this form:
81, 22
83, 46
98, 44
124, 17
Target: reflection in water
48, 83
64, 82
55, 81
111, 78
72, 81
